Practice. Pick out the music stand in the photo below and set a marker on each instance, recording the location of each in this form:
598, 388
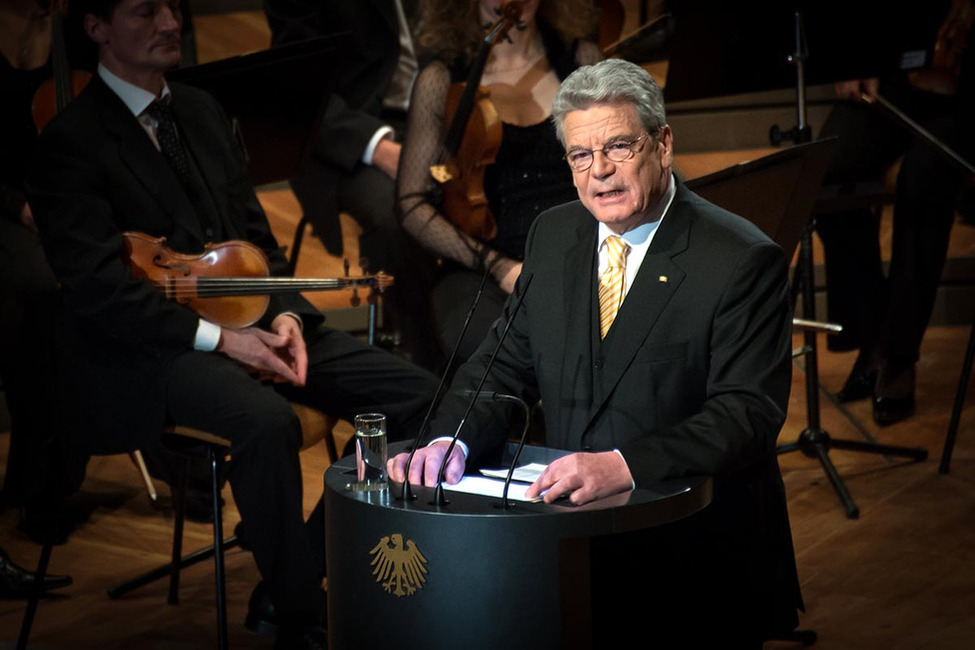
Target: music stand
773, 42
274, 98
777, 193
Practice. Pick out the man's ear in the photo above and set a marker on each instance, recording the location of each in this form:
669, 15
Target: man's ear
95, 27
666, 139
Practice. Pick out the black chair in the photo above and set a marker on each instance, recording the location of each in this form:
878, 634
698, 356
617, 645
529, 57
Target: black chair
191, 442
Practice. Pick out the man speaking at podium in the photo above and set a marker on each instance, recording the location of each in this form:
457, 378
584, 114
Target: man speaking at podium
656, 331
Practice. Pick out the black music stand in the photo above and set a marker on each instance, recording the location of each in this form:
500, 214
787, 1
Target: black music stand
777, 193
274, 98
773, 43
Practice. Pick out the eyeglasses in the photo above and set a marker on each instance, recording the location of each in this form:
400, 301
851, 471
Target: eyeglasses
580, 159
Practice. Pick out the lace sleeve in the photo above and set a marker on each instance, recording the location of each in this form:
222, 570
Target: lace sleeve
425, 132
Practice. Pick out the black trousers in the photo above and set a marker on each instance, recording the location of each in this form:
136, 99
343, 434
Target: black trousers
41, 469
345, 377
451, 300
889, 311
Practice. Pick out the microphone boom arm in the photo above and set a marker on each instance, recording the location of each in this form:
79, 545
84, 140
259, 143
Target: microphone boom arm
440, 500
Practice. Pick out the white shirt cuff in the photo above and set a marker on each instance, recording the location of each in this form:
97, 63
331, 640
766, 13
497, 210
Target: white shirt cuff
632, 482
460, 443
374, 142
301, 324
207, 336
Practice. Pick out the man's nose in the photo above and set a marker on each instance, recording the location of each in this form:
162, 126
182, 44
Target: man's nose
601, 165
167, 19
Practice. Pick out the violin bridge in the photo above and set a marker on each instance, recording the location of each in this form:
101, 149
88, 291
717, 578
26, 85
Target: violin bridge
441, 173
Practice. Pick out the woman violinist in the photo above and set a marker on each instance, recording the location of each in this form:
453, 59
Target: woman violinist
522, 74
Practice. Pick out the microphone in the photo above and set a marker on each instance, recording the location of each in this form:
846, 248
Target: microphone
407, 491
439, 495
502, 397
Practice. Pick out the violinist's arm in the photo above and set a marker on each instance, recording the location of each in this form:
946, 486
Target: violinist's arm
14, 206
27, 217
386, 156
505, 271
856, 89
421, 150
83, 243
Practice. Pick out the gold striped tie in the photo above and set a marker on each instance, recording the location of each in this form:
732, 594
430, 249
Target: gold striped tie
611, 283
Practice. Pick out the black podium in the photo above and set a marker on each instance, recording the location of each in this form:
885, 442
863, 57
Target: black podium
410, 574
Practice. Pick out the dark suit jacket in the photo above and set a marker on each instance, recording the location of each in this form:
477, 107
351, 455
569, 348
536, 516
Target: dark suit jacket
352, 115
692, 379
95, 175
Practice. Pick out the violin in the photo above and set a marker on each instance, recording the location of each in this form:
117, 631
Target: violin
229, 283
65, 84
473, 138
942, 76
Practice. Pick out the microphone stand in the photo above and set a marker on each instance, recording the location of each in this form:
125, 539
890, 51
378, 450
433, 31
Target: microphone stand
521, 444
407, 491
815, 441
439, 499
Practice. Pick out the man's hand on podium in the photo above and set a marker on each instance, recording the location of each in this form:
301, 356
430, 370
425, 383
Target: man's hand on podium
425, 467
583, 477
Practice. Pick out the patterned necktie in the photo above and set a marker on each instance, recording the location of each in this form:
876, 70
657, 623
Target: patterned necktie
611, 283
162, 112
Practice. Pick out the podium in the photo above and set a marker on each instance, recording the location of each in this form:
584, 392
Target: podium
470, 574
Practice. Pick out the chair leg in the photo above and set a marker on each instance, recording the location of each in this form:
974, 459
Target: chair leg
296, 244
180, 506
333, 454
36, 591
218, 549
215, 456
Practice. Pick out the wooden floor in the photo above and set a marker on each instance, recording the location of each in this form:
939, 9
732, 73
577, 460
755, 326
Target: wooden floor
899, 577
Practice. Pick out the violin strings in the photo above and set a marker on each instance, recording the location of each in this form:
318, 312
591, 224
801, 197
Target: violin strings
215, 286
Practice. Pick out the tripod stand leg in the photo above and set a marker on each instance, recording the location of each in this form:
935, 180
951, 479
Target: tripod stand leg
821, 452
915, 453
966, 370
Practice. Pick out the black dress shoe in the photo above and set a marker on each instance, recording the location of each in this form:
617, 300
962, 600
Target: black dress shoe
261, 616
894, 398
888, 410
17, 582
859, 385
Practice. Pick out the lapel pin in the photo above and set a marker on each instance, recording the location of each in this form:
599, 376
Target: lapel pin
662, 278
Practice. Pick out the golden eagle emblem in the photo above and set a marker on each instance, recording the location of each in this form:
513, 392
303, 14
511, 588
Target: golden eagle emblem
399, 569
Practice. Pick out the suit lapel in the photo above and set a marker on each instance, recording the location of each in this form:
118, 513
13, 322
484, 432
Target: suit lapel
196, 130
577, 358
655, 284
145, 162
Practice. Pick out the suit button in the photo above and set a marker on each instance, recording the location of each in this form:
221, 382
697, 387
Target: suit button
599, 364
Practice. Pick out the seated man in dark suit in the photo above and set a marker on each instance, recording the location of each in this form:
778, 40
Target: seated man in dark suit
133, 153
655, 329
